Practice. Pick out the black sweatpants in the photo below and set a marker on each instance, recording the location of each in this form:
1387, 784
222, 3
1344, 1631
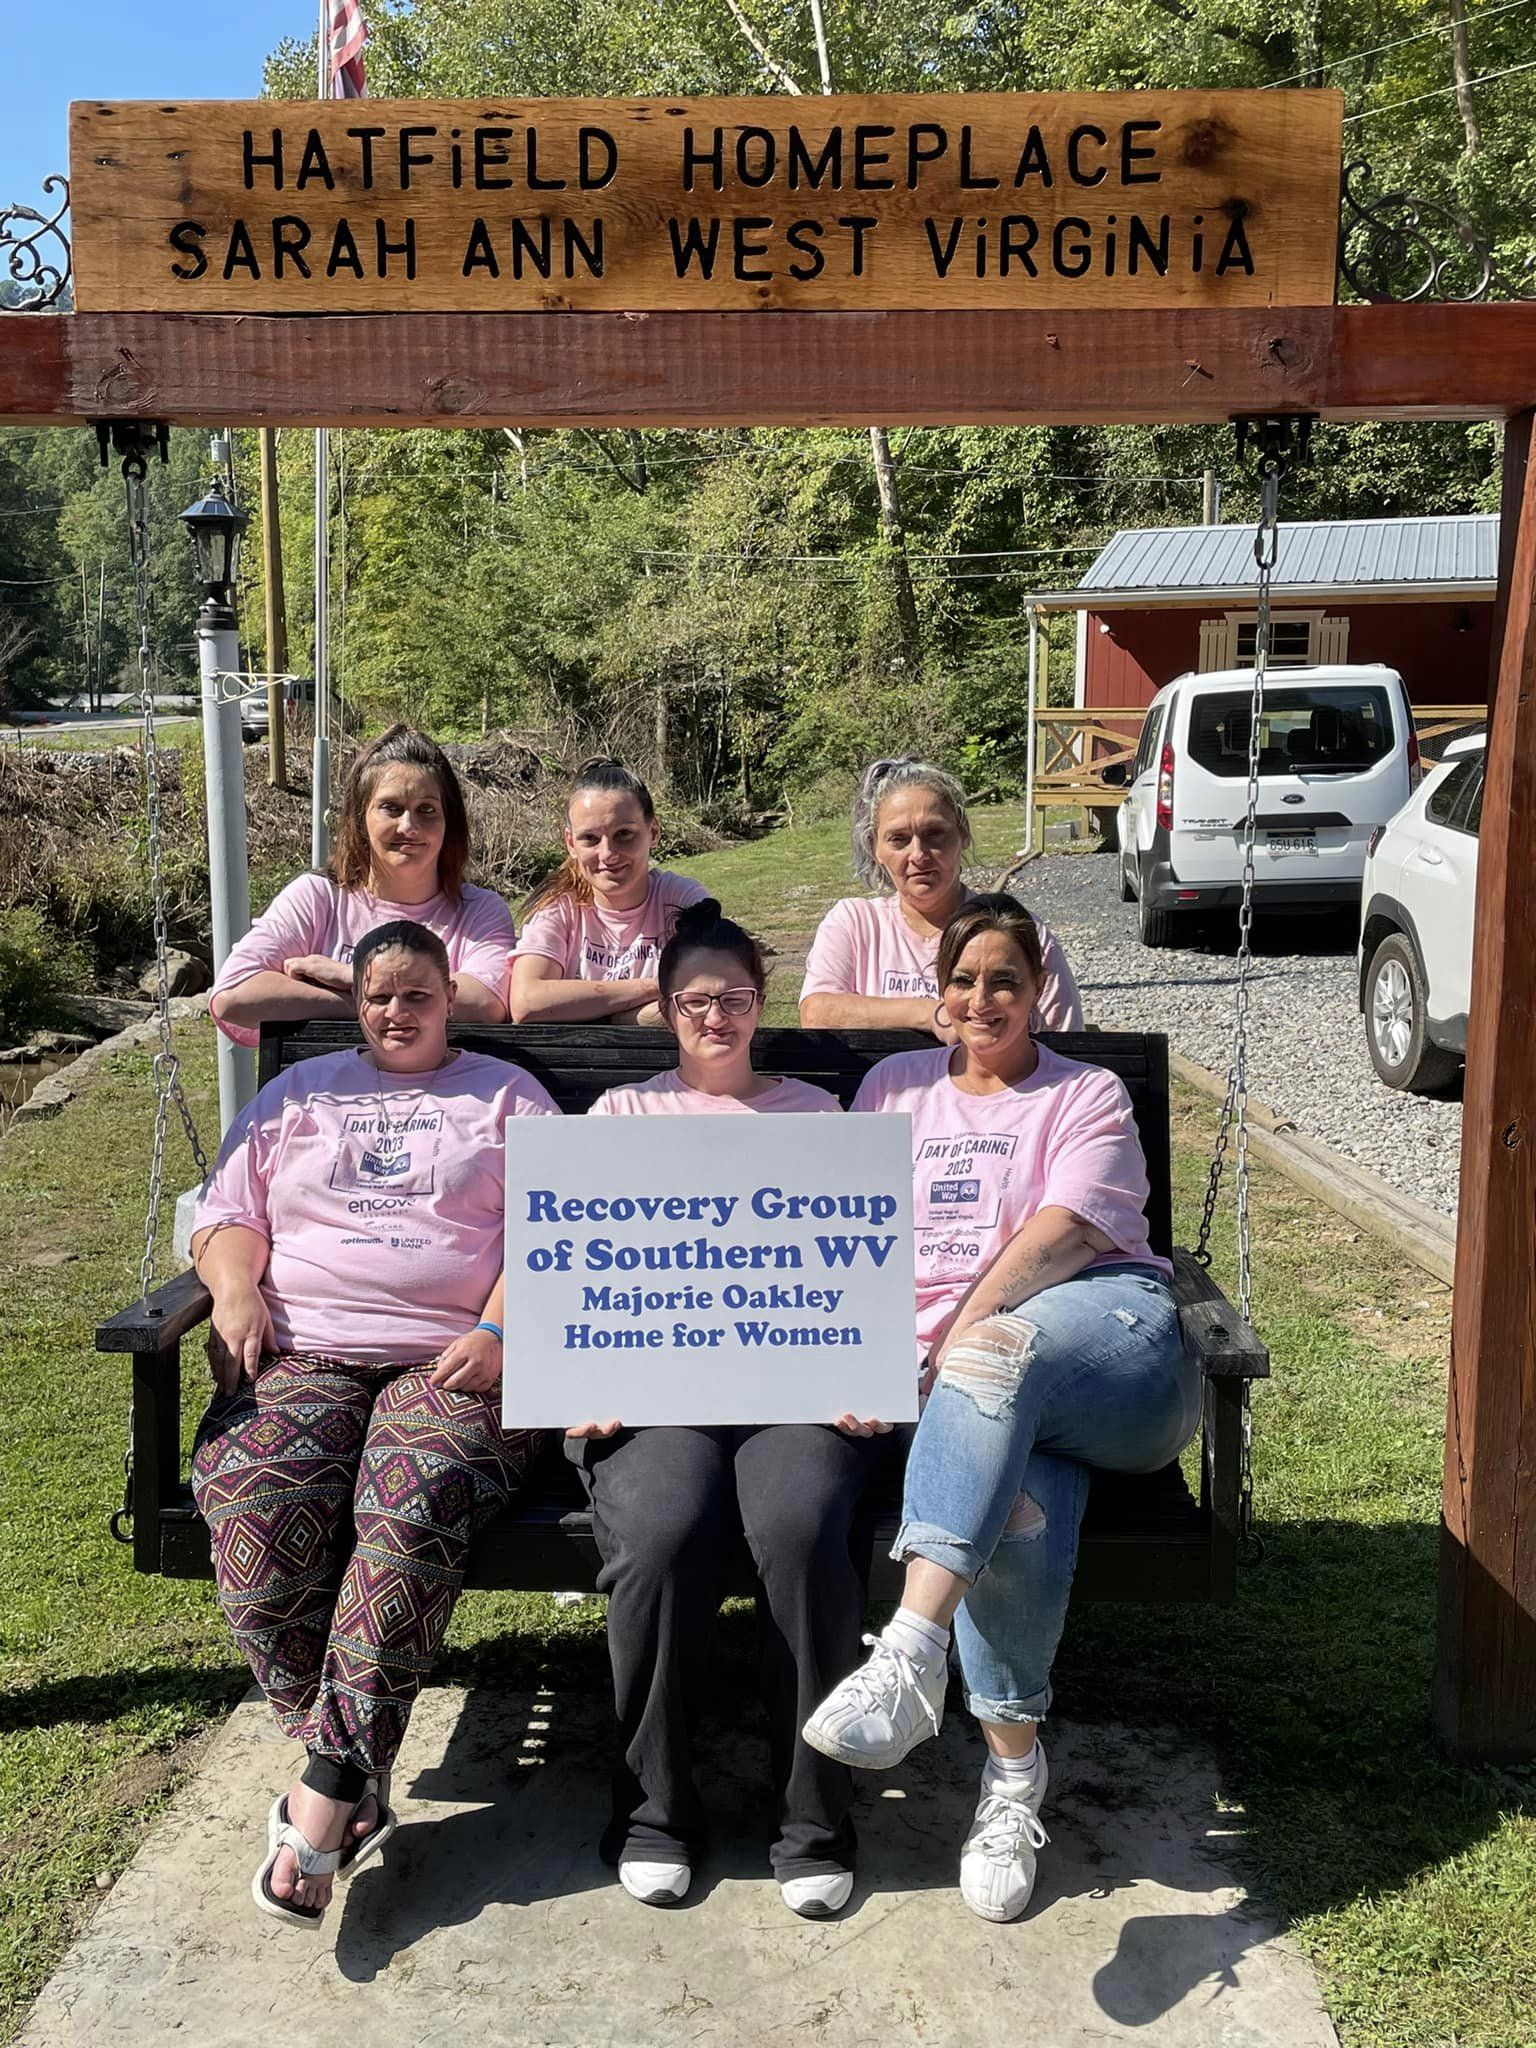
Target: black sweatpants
667, 1505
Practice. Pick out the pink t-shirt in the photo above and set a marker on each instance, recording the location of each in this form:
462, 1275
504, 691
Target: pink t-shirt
665, 1094
386, 1234
865, 947
589, 943
985, 1164
314, 915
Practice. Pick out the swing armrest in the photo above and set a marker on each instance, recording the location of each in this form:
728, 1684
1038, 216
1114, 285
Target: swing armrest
1214, 1332
172, 1309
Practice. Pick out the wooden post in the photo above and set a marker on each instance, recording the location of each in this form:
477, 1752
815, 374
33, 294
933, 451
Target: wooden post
277, 611
1485, 1664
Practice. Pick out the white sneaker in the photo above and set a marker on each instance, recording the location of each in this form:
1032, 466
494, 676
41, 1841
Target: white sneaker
655, 1884
882, 1710
817, 1898
997, 1863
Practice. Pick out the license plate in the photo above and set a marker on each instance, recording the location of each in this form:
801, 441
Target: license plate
1292, 842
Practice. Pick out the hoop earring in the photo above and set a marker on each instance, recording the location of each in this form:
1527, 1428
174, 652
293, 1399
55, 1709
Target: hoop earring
941, 1017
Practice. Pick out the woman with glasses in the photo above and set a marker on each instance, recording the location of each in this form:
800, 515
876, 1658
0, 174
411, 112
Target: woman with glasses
670, 1505
873, 961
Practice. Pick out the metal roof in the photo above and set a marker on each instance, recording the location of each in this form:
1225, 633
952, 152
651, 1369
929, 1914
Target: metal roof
1458, 549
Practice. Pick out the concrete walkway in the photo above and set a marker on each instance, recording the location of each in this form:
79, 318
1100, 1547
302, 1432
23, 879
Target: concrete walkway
490, 1919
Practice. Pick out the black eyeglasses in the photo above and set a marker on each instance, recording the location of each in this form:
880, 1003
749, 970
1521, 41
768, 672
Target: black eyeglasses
735, 1002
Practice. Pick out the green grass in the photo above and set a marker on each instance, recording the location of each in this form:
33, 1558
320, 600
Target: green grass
1409, 1880
169, 732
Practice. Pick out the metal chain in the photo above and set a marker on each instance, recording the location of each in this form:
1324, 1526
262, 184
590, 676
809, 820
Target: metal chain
166, 1068
1277, 444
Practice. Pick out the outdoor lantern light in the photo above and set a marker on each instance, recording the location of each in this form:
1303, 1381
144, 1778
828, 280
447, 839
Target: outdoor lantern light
216, 527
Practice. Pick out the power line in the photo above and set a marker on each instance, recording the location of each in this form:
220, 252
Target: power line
1439, 92
1359, 57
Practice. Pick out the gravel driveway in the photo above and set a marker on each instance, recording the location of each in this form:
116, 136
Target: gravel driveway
1307, 1055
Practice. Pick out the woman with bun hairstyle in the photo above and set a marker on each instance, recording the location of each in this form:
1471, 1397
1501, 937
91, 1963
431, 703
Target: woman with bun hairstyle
593, 933
669, 1506
401, 849
1053, 1345
872, 962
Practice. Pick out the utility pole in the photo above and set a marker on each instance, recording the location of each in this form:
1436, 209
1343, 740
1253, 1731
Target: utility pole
101, 619
277, 611
85, 637
1210, 499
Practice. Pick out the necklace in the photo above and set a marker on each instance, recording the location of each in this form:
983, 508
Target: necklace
393, 1129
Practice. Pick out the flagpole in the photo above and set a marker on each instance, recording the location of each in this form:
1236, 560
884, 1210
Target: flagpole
319, 831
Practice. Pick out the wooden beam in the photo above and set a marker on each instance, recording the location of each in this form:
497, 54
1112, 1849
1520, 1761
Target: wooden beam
1485, 1666
745, 369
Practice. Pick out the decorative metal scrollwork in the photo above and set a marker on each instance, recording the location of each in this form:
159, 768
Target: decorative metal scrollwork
35, 252
1396, 248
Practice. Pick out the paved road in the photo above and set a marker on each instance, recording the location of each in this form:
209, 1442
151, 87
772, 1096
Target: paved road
1307, 1053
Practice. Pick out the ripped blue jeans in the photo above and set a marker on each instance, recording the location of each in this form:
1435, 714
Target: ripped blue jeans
1090, 1372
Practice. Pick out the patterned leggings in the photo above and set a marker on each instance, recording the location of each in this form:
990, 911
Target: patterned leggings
341, 1499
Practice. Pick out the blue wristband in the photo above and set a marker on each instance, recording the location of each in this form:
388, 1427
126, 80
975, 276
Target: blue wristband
495, 1329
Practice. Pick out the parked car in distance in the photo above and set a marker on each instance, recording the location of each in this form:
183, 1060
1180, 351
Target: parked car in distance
1416, 913
298, 695
1337, 756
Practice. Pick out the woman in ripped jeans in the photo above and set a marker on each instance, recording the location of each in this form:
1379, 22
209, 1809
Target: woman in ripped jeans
1051, 1344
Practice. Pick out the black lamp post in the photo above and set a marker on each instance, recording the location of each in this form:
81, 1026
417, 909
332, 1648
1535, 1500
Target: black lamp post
216, 528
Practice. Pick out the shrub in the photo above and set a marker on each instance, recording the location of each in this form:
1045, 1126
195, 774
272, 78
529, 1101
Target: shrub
36, 966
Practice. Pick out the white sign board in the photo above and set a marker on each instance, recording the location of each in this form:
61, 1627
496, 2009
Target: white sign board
709, 1270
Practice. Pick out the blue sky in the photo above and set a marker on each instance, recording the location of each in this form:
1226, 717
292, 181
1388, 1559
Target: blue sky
126, 50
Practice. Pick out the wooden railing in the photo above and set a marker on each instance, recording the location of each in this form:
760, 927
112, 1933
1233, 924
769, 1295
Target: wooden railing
1073, 749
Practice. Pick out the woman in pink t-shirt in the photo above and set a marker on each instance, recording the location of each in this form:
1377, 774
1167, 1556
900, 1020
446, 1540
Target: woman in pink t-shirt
1050, 1333
402, 845
669, 1506
872, 962
351, 1238
593, 933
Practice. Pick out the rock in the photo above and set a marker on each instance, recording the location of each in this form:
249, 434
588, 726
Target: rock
18, 1055
105, 1013
51, 1043
184, 975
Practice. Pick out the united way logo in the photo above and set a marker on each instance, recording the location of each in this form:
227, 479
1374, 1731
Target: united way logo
379, 1168
953, 1194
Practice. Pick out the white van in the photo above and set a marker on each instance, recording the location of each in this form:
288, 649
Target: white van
1338, 756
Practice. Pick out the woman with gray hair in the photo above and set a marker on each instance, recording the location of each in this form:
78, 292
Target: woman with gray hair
873, 961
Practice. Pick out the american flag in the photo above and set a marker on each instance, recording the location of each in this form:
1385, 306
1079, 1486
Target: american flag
348, 33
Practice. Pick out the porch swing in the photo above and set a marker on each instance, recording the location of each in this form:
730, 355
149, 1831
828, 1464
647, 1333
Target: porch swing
1145, 1538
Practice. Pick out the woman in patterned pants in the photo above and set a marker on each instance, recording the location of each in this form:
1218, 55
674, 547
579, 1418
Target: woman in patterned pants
351, 1237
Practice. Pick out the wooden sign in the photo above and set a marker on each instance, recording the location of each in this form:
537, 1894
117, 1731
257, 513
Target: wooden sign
902, 201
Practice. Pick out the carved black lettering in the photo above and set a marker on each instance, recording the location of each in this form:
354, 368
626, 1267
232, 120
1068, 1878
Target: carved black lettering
742, 249
1142, 243
1235, 252
1197, 247
241, 254
413, 159
803, 169
591, 253
597, 157
535, 182
945, 256
1074, 260
480, 252
970, 179
290, 238
490, 154
534, 246
1017, 236
762, 144
795, 235
1034, 161
1130, 154
186, 238
1075, 141
365, 138
251, 157
711, 159
344, 253
858, 225
314, 165
693, 242
865, 156
387, 248
926, 143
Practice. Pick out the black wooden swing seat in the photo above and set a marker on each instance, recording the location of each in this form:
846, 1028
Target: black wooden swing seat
1145, 1537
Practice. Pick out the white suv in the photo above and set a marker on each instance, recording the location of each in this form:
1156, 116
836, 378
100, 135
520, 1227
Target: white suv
1337, 757
1416, 911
